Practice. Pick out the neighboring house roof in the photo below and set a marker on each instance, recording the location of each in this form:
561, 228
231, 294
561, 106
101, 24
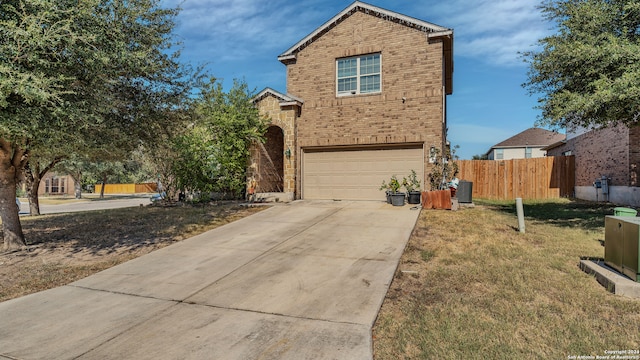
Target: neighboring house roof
432, 31
533, 137
285, 99
554, 145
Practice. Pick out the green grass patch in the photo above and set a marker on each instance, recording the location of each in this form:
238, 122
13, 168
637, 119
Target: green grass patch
426, 255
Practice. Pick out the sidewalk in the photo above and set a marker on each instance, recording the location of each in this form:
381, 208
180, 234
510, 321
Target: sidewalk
297, 281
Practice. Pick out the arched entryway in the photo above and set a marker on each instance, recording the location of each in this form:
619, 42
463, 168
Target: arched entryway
271, 163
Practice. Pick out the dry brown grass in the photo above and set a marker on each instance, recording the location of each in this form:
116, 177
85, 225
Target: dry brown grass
63, 248
469, 286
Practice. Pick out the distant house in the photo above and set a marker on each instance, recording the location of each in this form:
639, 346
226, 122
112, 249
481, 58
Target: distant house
613, 153
56, 184
527, 144
366, 98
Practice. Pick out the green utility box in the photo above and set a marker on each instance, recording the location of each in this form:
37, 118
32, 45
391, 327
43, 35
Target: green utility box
622, 211
622, 245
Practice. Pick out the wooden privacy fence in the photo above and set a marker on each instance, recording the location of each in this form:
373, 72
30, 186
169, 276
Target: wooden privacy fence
127, 188
537, 178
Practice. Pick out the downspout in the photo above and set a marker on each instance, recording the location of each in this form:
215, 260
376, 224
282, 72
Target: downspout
445, 130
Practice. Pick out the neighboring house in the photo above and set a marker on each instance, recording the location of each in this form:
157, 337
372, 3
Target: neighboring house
55, 184
613, 153
527, 144
366, 99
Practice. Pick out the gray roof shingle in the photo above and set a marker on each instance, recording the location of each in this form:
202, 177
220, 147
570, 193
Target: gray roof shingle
532, 137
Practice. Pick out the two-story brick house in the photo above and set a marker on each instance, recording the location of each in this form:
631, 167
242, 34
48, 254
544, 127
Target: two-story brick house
366, 99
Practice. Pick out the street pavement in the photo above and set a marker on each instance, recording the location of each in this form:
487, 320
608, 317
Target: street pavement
89, 204
303, 280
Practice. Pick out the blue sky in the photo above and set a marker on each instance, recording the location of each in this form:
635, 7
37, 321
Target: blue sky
241, 39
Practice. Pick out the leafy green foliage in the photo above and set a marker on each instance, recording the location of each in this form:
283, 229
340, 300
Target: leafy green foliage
71, 70
411, 183
97, 77
589, 71
213, 154
392, 186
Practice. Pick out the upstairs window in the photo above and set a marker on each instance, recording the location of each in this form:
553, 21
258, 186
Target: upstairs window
358, 75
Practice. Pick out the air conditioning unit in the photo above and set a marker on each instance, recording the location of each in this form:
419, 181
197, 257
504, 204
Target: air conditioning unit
622, 244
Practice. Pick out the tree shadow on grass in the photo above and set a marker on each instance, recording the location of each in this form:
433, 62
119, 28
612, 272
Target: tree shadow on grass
108, 231
576, 213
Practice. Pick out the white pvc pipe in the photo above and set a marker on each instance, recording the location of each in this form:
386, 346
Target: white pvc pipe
520, 212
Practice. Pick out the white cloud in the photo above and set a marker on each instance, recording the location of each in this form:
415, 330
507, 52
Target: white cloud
231, 30
494, 31
489, 30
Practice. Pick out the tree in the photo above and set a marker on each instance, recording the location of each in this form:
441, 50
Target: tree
34, 171
588, 72
213, 155
76, 166
444, 167
99, 74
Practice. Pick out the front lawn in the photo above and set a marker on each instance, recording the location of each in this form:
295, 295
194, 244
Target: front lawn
63, 248
470, 286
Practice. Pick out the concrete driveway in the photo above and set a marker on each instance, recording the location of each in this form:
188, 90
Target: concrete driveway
298, 281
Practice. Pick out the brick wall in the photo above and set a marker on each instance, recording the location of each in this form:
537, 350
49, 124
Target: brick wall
602, 152
634, 156
285, 119
412, 68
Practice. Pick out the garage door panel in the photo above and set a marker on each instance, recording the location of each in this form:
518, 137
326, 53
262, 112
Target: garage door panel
356, 175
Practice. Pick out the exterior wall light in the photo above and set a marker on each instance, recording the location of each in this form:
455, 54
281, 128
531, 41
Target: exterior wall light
287, 153
432, 154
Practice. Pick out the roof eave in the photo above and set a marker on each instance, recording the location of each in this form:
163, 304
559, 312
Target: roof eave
287, 58
283, 99
290, 103
554, 145
437, 34
517, 146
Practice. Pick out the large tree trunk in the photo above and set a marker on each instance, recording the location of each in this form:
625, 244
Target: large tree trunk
12, 161
33, 176
32, 179
104, 181
77, 179
34, 201
11, 227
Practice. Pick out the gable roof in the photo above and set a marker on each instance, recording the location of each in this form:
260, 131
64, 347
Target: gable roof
432, 31
429, 28
285, 99
532, 137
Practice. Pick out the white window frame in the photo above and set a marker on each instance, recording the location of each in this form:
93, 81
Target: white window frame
528, 153
499, 154
359, 76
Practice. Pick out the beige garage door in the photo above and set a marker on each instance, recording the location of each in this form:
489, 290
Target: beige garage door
356, 174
